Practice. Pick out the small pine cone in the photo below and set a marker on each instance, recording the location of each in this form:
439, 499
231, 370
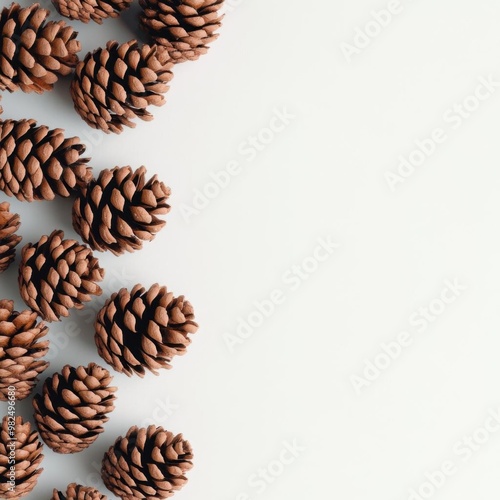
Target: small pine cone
143, 330
183, 27
78, 492
34, 52
26, 450
147, 463
95, 10
37, 163
119, 210
9, 224
71, 411
112, 86
56, 275
20, 351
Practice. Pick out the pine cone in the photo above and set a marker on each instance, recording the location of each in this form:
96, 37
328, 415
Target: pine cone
141, 329
78, 492
118, 211
112, 86
72, 408
183, 27
20, 350
34, 52
28, 457
147, 463
37, 163
9, 224
95, 10
57, 274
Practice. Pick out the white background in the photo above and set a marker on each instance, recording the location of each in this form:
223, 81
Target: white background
323, 176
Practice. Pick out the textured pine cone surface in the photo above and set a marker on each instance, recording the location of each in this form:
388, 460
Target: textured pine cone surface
21, 347
27, 454
34, 52
56, 275
183, 27
141, 330
147, 464
73, 406
119, 210
37, 163
9, 225
78, 492
87, 10
114, 85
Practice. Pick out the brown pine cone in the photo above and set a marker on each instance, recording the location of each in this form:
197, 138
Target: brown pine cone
142, 330
27, 453
9, 224
95, 10
37, 163
78, 492
56, 275
147, 463
119, 210
71, 411
183, 27
20, 350
112, 86
34, 52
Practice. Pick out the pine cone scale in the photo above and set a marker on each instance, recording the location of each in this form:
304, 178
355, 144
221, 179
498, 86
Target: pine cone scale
73, 407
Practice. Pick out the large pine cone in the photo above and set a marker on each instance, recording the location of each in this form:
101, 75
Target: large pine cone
9, 224
71, 411
142, 330
37, 163
34, 53
147, 463
20, 350
119, 210
27, 455
56, 275
183, 27
95, 10
77, 492
112, 86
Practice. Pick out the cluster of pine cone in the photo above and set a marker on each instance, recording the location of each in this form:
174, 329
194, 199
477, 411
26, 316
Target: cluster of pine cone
136, 330
115, 84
